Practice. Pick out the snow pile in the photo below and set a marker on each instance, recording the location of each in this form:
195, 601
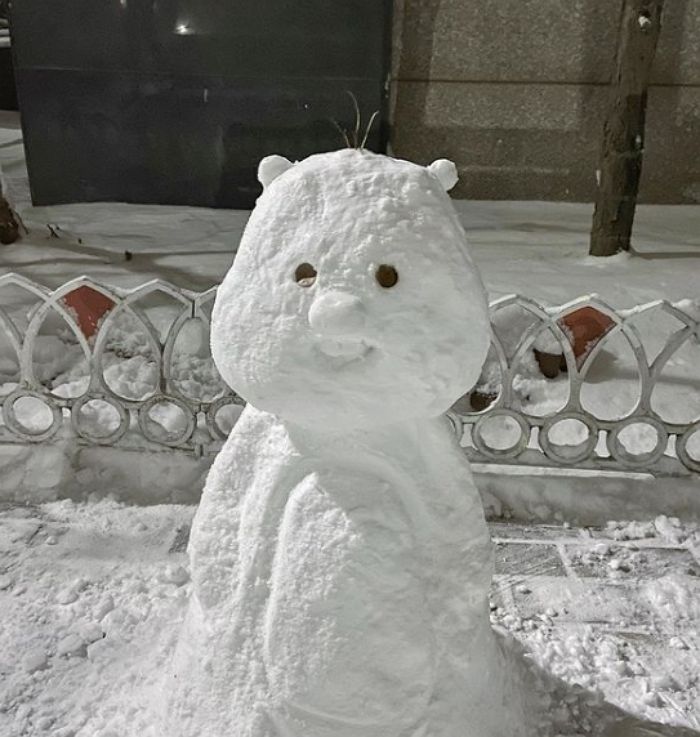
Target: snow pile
89, 603
623, 624
130, 362
649, 670
670, 529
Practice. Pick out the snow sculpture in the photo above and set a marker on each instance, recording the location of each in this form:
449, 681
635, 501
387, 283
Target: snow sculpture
340, 558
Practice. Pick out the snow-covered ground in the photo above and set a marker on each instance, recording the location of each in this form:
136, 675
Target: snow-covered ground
91, 593
91, 600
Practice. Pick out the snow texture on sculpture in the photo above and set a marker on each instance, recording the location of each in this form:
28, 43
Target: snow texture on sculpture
340, 558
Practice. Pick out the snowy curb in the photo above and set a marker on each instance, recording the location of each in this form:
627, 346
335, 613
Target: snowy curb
44, 473
584, 498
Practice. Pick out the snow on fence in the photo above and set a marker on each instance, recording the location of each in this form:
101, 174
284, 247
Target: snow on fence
578, 385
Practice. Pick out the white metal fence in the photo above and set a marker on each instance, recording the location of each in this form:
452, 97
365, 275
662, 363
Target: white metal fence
142, 377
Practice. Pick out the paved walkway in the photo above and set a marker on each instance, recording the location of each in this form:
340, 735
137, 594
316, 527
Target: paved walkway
615, 610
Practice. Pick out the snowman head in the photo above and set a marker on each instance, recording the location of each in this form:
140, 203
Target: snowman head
352, 301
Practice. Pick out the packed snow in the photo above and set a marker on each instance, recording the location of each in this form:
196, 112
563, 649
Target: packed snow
340, 557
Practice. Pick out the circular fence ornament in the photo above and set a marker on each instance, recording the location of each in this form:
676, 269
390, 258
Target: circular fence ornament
567, 426
688, 447
221, 426
624, 433
501, 434
166, 420
37, 418
99, 419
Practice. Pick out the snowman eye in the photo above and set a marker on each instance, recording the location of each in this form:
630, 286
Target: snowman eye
386, 276
305, 275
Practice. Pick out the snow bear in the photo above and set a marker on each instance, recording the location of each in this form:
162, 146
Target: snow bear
340, 558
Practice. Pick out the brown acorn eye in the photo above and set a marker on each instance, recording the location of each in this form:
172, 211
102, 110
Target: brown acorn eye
305, 275
387, 276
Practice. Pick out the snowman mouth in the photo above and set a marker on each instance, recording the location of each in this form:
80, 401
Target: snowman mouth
345, 351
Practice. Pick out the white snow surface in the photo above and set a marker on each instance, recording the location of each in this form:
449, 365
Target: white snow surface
92, 596
345, 351
340, 557
360, 571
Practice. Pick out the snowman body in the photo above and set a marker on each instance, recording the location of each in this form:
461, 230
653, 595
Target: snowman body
340, 557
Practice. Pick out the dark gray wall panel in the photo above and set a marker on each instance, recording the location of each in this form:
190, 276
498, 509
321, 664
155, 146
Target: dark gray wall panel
177, 105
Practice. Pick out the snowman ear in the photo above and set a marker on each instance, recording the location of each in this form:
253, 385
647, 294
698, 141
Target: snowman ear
271, 167
446, 173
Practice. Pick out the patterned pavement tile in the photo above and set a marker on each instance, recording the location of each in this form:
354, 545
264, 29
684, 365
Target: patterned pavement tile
610, 561
527, 560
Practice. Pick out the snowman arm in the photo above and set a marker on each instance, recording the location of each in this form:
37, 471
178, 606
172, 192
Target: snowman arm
460, 507
233, 481
213, 545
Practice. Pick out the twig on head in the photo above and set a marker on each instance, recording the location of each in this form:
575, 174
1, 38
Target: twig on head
358, 120
342, 131
352, 139
369, 128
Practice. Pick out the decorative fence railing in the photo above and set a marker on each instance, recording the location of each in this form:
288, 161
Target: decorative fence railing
578, 385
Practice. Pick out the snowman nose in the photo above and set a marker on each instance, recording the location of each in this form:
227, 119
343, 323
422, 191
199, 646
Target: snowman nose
337, 314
